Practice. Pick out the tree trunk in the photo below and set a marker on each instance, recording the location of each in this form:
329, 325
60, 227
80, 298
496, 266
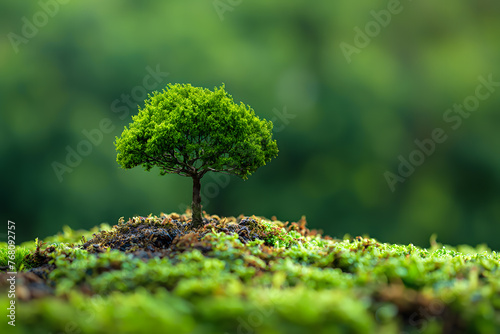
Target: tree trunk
196, 205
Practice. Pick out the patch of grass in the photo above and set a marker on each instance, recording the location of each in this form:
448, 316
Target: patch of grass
253, 275
70, 236
16, 256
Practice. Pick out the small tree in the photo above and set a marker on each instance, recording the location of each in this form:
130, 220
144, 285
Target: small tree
191, 131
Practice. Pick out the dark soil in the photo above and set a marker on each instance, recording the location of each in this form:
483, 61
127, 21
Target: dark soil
151, 235
146, 238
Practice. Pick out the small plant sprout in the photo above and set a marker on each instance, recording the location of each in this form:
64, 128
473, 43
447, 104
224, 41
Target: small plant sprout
190, 131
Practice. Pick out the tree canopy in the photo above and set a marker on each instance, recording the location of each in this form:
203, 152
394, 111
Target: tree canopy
190, 131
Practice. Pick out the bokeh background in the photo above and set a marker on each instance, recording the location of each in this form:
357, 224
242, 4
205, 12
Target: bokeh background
346, 125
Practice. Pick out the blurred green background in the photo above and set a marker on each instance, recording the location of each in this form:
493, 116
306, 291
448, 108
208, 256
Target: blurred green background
347, 122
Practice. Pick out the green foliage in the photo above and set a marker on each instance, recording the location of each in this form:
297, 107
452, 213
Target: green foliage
25, 255
291, 282
275, 235
71, 236
19, 257
189, 131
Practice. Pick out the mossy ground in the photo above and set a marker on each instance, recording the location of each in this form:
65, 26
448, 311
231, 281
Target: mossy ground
246, 275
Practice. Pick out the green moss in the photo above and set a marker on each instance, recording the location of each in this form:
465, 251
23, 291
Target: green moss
71, 236
250, 274
18, 257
